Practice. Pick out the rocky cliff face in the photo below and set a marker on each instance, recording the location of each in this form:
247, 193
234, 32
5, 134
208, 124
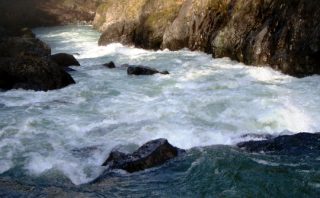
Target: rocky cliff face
283, 34
142, 22
33, 13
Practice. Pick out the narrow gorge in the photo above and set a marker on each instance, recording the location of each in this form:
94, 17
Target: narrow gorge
159, 98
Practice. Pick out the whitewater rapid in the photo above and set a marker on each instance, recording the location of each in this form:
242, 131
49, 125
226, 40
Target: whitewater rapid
203, 101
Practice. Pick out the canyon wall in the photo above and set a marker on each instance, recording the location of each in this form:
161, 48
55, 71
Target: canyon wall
16, 14
282, 34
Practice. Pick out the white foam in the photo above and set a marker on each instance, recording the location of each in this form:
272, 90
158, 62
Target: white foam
5, 165
203, 101
76, 171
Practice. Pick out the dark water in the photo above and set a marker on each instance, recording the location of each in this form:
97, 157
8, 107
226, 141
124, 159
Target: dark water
216, 171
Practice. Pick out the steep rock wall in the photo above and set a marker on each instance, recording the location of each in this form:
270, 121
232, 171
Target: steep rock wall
139, 22
280, 33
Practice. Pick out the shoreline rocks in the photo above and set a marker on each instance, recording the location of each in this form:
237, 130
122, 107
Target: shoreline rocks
25, 63
298, 144
282, 35
285, 36
151, 154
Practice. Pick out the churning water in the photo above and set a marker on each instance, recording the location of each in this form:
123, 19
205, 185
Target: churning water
68, 133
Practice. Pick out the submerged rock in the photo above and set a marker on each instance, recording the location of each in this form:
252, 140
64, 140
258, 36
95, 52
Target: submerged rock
298, 144
65, 60
110, 65
151, 154
142, 70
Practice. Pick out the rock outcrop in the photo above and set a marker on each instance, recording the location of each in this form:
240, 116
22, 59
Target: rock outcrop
139, 22
282, 34
299, 144
25, 63
151, 154
64, 60
16, 14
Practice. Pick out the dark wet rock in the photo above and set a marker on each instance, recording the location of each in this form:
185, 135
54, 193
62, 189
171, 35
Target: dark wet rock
110, 65
31, 72
282, 34
299, 144
142, 70
25, 63
68, 69
65, 60
151, 154
14, 46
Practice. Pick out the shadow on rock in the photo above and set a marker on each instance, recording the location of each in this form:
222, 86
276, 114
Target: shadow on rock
65, 60
151, 154
25, 63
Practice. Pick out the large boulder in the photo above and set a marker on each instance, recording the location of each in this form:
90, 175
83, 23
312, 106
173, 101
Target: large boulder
32, 72
64, 60
13, 46
299, 144
25, 63
151, 154
143, 70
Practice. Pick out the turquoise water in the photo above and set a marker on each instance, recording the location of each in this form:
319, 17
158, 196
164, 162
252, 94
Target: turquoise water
54, 142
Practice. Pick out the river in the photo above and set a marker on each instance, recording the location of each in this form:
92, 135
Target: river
58, 139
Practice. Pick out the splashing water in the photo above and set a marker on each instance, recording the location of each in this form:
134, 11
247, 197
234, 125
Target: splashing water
203, 101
